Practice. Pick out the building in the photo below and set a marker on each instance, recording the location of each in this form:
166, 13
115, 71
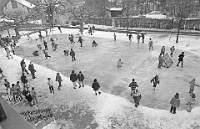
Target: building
116, 12
17, 7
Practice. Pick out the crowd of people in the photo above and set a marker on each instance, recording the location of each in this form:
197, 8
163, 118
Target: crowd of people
78, 79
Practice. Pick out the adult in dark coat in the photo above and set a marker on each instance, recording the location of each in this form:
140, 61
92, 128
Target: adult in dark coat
80, 79
180, 59
45, 45
23, 66
133, 86
96, 86
24, 79
32, 69
73, 78
80, 40
59, 80
137, 96
72, 53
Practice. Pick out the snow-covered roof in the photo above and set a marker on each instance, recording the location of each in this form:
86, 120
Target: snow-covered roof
116, 9
5, 20
26, 3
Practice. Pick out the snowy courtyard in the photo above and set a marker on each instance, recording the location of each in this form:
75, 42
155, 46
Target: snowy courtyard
114, 108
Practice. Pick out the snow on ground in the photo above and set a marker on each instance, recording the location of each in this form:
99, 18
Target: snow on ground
108, 110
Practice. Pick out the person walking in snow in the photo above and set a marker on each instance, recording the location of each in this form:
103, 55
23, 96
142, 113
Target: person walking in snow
162, 50
46, 54
160, 61
192, 85
175, 102
137, 97
45, 45
94, 43
53, 43
133, 86
59, 80
24, 79
73, 78
150, 44
115, 37
138, 38
1, 72
35, 53
155, 80
119, 63
23, 66
72, 53
80, 40
50, 84
180, 59
32, 70
96, 86
191, 102
66, 52
143, 36
80, 79
172, 50
130, 37
59, 28
34, 96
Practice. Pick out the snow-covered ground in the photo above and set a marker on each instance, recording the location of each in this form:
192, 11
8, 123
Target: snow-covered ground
108, 110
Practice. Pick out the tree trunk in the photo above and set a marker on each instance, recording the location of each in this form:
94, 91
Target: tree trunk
127, 26
8, 31
17, 30
81, 26
179, 27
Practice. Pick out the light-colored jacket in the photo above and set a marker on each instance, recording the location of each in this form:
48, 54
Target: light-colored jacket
50, 82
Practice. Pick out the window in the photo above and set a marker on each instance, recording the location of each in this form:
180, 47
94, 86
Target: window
14, 4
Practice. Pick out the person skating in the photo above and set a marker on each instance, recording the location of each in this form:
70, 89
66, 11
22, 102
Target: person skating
115, 37
52, 43
1, 72
73, 78
94, 43
180, 59
72, 53
160, 61
130, 37
45, 45
80, 79
192, 85
59, 80
162, 52
23, 66
80, 40
150, 44
32, 70
8, 51
119, 63
191, 102
175, 102
59, 28
24, 79
133, 85
172, 50
46, 55
66, 52
155, 80
138, 38
96, 86
34, 96
50, 84
143, 36
137, 97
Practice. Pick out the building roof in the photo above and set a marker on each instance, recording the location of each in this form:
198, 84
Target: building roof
116, 9
26, 3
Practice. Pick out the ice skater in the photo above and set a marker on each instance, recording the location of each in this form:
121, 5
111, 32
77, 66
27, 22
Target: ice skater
8, 51
162, 52
80, 79
80, 40
133, 85
23, 66
73, 78
24, 80
137, 97
59, 80
155, 80
115, 37
192, 85
172, 50
175, 102
46, 55
130, 37
143, 36
119, 63
96, 86
150, 44
180, 59
66, 52
45, 45
191, 102
72, 53
94, 43
138, 38
34, 96
160, 61
35, 53
32, 70
50, 84
1, 72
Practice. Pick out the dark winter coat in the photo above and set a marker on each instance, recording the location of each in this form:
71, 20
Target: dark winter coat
95, 86
73, 77
175, 102
180, 57
80, 77
58, 78
137, 96
72, 53
23, 79
133, 85
31, 68
23, 64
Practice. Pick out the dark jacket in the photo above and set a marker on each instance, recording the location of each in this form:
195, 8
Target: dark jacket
23, 64
58, 78
175, 102
23, 79
180, 57
73, 77
137, 96
80, 77
95, 86
72, 53
31, 68
133, 85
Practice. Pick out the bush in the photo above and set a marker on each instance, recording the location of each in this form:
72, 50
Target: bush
74, 23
